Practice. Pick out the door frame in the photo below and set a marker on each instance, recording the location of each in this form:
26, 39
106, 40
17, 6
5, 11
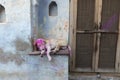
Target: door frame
97, 20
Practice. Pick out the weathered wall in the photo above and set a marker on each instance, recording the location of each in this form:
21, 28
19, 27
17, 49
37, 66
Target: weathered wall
15, 33
33, 68
15, 44
53, 26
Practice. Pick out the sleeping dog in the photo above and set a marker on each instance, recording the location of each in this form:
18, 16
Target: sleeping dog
48, 46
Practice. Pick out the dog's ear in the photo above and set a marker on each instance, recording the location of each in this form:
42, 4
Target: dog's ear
45, 42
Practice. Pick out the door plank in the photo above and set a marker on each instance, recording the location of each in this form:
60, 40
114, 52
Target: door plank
85, 41
117, 67
99, 7
73, 30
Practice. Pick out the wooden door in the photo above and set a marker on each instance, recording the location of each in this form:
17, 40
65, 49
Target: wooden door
97, 36
109, 30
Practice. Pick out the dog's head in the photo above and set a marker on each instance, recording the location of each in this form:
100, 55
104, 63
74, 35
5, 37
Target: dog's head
40, 44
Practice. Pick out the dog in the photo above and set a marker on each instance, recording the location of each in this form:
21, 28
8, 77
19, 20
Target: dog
48, 45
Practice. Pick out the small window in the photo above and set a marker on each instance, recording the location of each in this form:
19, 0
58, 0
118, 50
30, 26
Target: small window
53, 9
2, 14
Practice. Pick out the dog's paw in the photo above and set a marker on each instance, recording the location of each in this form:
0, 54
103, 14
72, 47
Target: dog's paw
41, 55
49, 58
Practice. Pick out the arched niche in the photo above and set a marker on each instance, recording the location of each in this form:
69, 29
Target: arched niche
2, 14
53, 9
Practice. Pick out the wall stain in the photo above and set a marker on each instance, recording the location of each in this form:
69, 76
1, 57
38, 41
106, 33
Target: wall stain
5, 58
44, 20
21, 45
60, 73
40, 31
1, 50
66, 26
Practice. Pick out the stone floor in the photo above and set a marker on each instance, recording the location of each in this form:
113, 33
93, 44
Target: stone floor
93, 78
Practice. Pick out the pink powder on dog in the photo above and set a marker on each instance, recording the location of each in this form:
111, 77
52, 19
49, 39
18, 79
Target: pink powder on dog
40, 43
